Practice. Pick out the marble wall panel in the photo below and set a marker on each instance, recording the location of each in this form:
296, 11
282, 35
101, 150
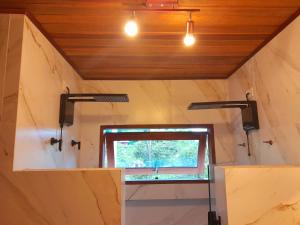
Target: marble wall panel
46, 197
261, 195
167, 212
44, 76
274, 76
158, 102
166, 191
12, 26
219, 194
4, 23
154, 102
57, 197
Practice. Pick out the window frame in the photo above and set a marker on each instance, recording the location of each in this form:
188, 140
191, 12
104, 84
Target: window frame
165, 135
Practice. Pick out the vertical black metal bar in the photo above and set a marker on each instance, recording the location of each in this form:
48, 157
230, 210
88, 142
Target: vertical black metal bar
61, 139
248, 145
209, 193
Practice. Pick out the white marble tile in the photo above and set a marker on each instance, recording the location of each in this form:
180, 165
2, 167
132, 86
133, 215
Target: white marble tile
47, 197
44, 76
4, 23
166, 191
274, 75
167, 212
61, 197
154, 102
261, 195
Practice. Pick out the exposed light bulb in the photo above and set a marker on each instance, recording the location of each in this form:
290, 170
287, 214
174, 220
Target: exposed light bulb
189, 40
131, 28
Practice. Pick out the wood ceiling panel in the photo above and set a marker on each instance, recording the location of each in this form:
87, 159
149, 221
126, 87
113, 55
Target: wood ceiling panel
159, 51
147, 61
89, 33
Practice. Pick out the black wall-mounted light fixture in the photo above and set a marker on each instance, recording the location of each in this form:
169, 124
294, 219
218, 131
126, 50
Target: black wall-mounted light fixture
248, 109
67, 104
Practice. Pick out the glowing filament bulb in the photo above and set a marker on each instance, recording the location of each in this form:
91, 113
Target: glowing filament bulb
131, 27
189, 40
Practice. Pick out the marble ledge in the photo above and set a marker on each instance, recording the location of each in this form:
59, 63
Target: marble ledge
285, 166
166, 192
70, 170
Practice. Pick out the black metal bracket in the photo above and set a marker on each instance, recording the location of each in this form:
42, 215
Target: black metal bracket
248, 110
68, 100
67, 105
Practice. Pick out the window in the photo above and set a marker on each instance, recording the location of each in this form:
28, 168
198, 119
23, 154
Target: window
158, 153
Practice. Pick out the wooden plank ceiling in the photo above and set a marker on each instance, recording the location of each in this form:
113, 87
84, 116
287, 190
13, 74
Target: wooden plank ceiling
89, 33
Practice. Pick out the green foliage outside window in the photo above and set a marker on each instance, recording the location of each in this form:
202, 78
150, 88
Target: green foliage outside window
158, 154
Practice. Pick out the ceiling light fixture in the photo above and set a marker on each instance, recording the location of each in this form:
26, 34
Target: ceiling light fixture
131, 27
189, 38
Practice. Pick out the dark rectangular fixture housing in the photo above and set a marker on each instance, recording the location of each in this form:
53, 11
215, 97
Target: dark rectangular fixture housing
248, 108
67, 102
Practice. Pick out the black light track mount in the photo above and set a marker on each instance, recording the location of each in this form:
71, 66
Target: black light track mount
68, 100
248, 109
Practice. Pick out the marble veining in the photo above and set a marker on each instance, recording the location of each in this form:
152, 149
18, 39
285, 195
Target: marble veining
43, 197
166, 191
38, 105
261, 195
154, 102
167, 212
273, 74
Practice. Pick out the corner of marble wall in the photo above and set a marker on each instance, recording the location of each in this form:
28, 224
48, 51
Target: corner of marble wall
220, 193
4, 27
44, 75
260, 195
273, 74
10, 74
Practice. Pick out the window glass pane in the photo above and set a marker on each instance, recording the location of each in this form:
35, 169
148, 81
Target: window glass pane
156, 153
